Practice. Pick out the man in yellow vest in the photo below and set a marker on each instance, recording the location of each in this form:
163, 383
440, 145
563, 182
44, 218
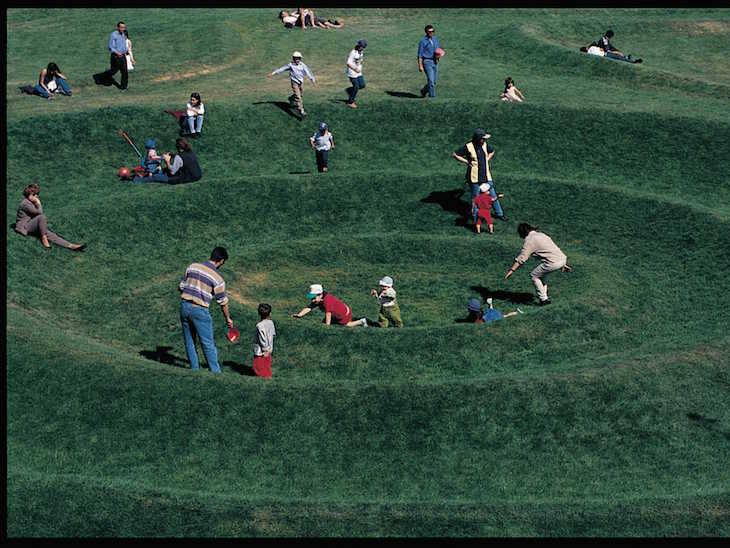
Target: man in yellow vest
476, 155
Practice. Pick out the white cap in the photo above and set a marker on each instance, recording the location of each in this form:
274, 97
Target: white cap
489, 301
296, 54
484, 187
314, 290
387, 281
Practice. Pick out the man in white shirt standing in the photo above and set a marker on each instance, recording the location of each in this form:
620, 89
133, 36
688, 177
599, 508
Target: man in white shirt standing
543, 248
354, 71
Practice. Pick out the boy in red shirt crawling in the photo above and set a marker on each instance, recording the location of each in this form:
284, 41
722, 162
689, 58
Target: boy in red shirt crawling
483, 202
333, 308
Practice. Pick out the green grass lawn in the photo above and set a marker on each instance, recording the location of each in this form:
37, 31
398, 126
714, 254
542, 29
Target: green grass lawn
605, 414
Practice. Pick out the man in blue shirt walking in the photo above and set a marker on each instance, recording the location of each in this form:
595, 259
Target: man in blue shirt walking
428, 60
117, 59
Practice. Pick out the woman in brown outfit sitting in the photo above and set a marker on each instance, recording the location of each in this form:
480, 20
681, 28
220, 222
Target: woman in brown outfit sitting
32, 222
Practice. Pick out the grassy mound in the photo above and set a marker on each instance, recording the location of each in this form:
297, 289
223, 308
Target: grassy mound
604, 414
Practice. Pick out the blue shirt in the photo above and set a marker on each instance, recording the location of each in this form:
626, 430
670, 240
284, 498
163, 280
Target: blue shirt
427, 46
117, 43
492, 315
296, 72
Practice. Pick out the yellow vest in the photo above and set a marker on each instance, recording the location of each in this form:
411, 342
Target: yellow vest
472, 170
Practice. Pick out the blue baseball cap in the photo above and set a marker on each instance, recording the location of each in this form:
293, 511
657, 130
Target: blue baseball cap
323, 126
362, 43
150, 143
474, 305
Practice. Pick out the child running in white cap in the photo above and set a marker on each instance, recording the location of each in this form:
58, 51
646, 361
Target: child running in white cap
389, 309
297, 71
483, 202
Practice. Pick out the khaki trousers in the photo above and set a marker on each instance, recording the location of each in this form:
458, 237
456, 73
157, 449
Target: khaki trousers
297, 89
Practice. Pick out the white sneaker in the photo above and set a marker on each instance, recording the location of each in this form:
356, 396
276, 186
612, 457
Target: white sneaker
364, 322
519, 311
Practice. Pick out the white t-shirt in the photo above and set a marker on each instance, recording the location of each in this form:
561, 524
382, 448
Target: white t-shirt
355, 58
595, 50
290, 19
195, 111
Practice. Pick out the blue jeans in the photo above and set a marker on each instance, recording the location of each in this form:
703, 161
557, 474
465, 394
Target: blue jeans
474, 187
358, 83
195, 123
432, 71
159, 177
612, 55
196, 319
62, 86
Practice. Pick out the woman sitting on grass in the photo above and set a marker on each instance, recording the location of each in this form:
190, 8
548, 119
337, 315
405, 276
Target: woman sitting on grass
511, 93
52, 80
183, 168
31, 221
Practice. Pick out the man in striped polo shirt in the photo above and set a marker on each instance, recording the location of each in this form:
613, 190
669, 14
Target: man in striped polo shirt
198, 286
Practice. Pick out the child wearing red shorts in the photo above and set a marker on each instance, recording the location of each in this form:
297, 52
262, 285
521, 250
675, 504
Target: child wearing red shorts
263, 342
483, 202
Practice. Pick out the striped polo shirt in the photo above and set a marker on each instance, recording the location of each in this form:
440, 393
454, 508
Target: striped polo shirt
201, 282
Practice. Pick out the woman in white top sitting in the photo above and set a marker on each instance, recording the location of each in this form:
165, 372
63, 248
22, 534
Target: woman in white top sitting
194, 114
511, 93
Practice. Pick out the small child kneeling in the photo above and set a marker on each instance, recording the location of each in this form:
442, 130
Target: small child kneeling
263, 342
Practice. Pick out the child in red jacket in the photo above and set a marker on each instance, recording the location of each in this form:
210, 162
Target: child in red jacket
483, 202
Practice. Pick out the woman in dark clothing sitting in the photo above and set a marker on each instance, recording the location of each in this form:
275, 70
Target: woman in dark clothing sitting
184, 168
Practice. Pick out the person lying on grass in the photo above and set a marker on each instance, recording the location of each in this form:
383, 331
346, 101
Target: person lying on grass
31, 221
475, 314
603, 48
331, 306
303, 17
389, 309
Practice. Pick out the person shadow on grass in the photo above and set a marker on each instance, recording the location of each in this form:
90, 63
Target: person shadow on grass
245, 370
515, 297
403, 94
283, 105
450, 200
162, 354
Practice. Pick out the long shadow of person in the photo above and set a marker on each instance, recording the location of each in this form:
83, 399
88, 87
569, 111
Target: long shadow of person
100, 80
515, 297
245, 370
450, 200
403, 94
162, 354
283, 105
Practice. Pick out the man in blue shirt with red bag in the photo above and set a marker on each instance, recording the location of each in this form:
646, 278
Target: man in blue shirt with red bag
428, 60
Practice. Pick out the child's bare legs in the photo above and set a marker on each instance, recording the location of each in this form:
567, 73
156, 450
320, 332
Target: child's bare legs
491, 229
355, 323
44, 241
478, 226
513, 313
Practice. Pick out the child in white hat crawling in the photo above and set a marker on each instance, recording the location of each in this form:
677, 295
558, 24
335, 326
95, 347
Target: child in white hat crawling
389, 309
483, 202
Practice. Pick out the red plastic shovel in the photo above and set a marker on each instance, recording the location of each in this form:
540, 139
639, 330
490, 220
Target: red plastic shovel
233, 334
